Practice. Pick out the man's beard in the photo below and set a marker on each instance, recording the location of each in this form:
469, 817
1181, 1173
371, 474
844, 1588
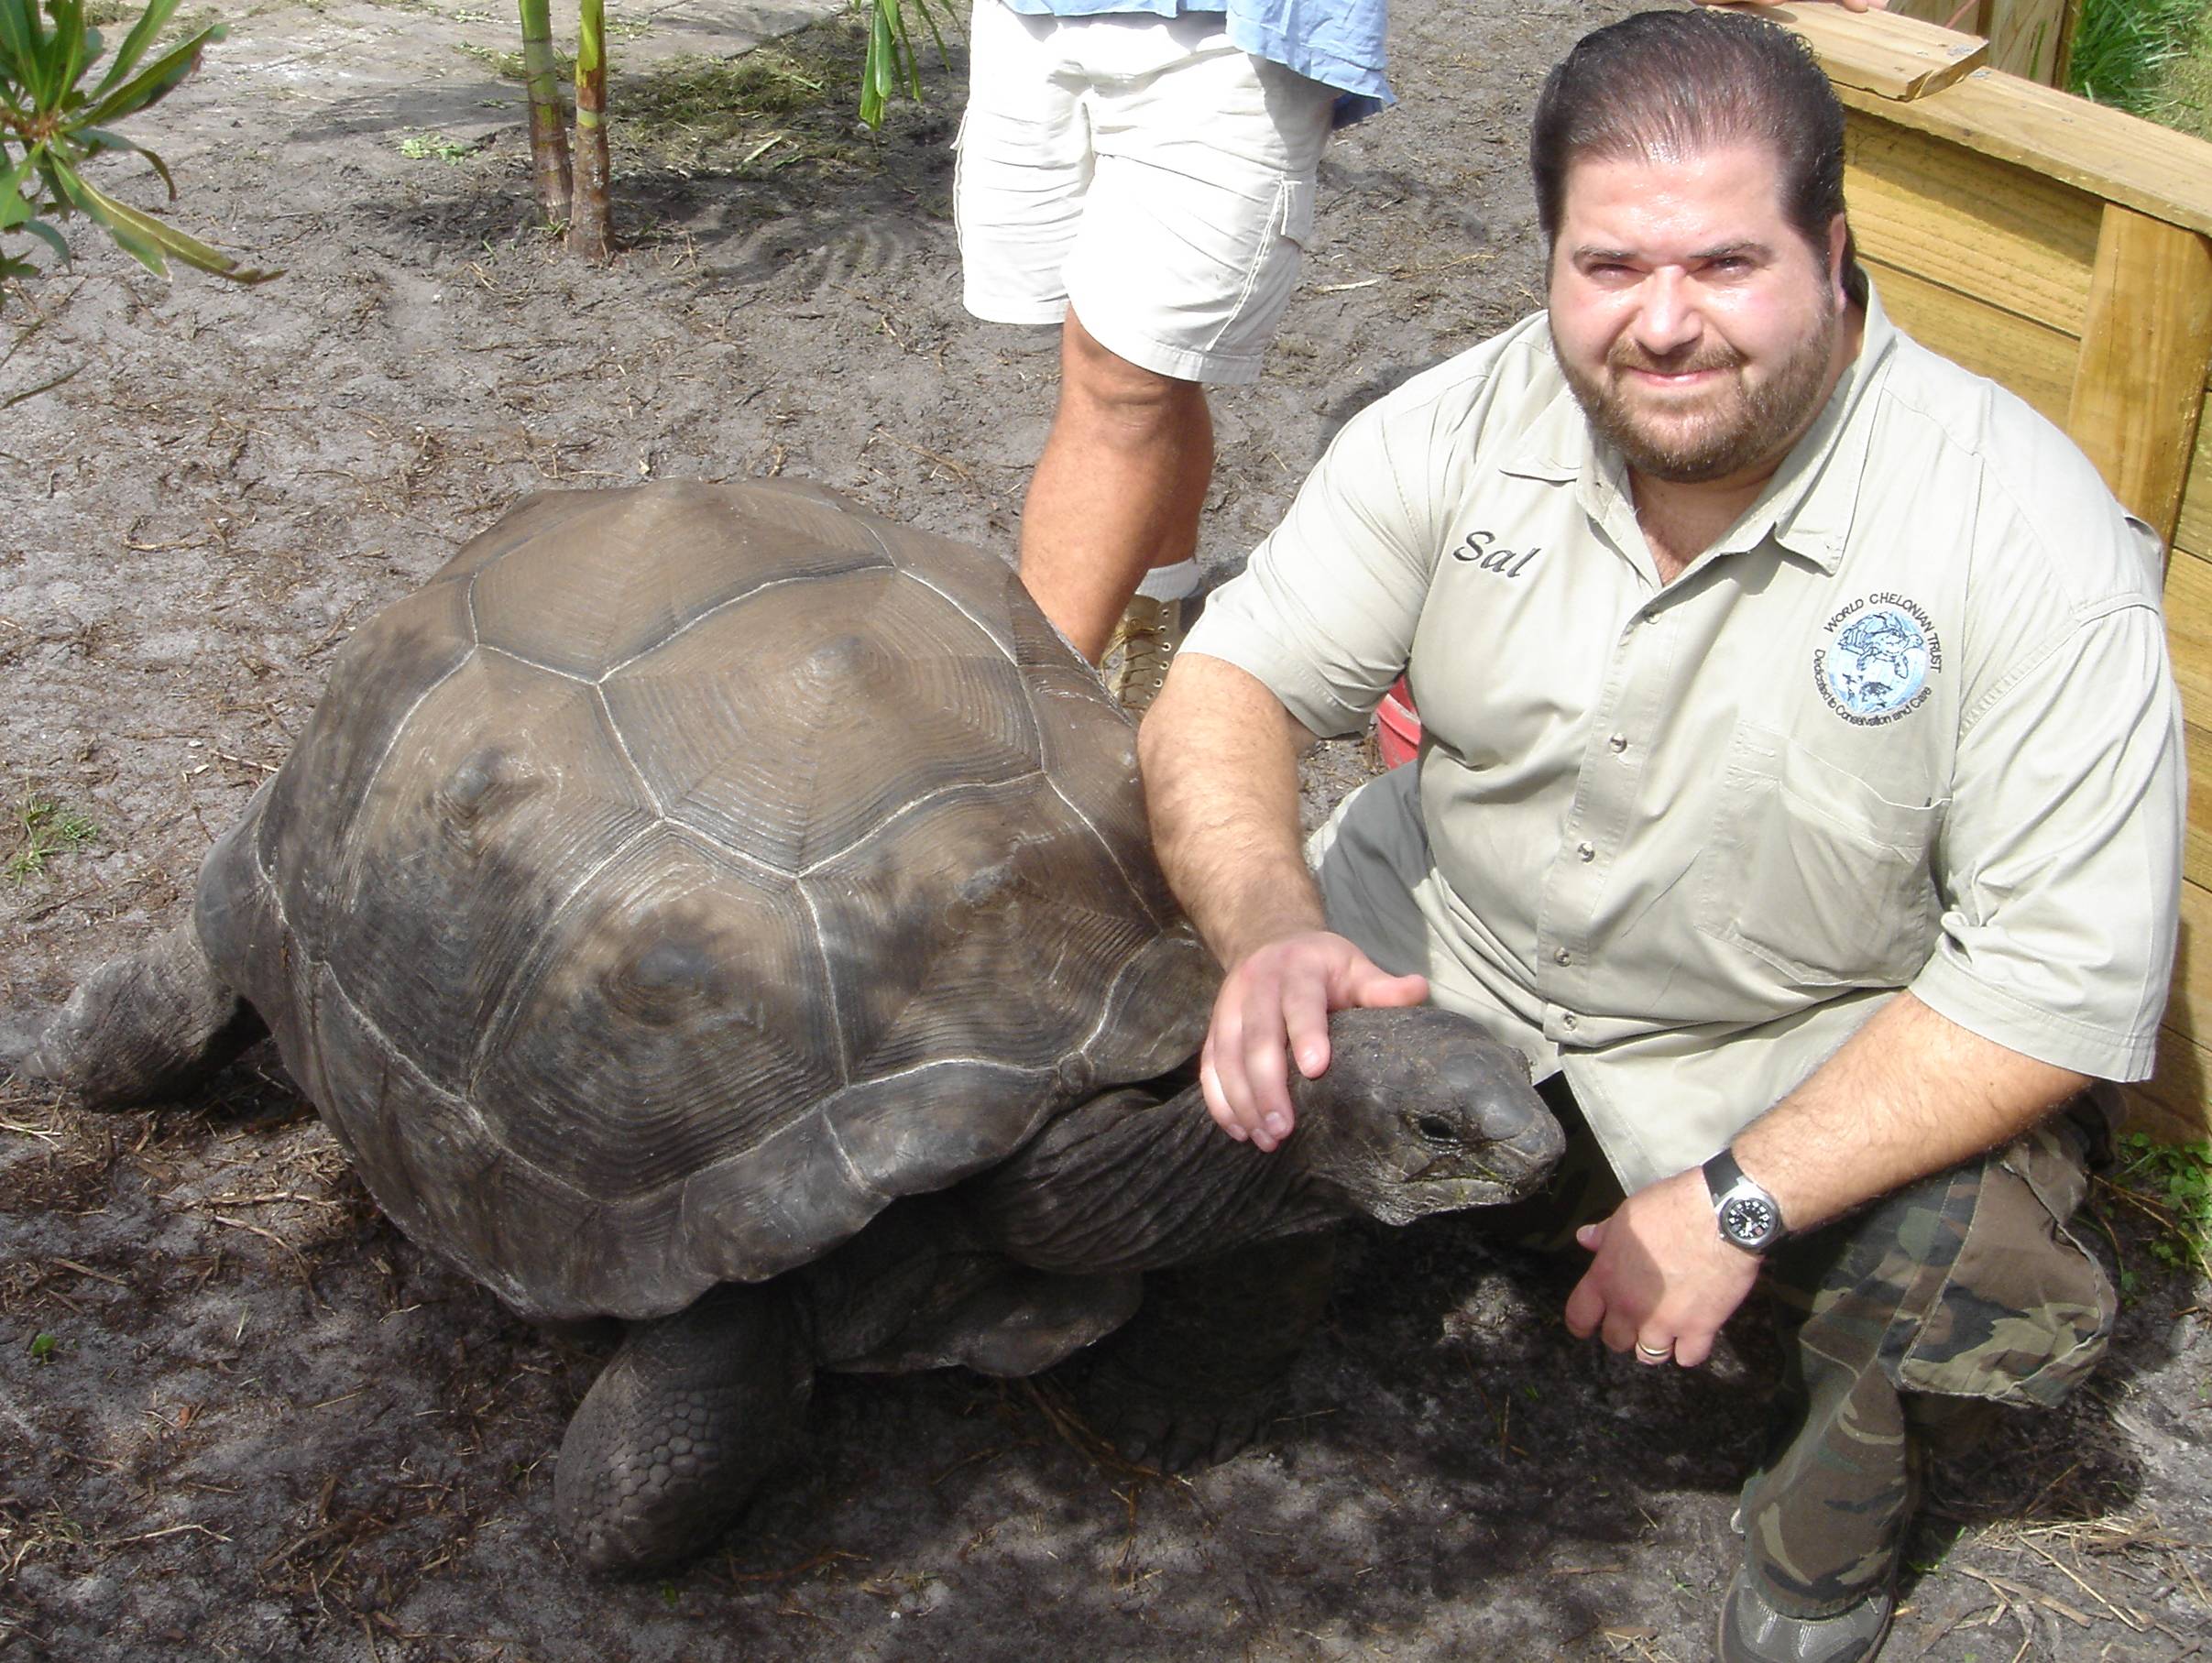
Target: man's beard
1735, 428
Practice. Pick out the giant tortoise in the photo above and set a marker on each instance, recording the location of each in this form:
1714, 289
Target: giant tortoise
723, 910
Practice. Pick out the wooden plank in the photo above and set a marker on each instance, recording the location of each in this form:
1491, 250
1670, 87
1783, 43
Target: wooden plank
1955, 218
2189, 1005
2029, 358
2181, 1086
2165, 174
1886, 53
2026, 36
2196, 829
2193, 526
2188, 606
1967, 17
2170, 1105
2139, 384
2029, 38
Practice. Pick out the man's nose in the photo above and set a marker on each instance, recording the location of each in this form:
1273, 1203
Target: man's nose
1666, 315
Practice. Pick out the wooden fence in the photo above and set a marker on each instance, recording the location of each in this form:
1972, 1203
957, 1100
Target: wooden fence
2064, 250
2028, 37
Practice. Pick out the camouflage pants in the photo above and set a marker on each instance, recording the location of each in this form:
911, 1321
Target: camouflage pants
1898, 1325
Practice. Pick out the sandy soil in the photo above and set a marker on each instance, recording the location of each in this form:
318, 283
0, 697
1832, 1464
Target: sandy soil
241, 1417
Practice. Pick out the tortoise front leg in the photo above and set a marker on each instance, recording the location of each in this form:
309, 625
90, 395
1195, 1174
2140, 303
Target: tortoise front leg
673, 1437
1199, 1371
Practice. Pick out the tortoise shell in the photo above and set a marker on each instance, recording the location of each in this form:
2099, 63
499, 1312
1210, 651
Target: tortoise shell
686, 872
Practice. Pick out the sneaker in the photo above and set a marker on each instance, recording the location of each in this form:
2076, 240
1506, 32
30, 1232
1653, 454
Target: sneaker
1135, 664
1752, 1631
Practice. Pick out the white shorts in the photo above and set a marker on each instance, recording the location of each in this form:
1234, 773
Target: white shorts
1144, 171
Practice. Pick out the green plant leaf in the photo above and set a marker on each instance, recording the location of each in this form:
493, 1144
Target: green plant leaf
15, 205
20, 33
100, 138
134, 45
152, 83
70, 46
876, 83
49, 236
149, 240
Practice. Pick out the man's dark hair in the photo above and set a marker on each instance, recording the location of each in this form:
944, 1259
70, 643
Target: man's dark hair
1667, 84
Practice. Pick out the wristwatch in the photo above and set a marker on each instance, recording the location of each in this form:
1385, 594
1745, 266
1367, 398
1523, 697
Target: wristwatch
1747, 1215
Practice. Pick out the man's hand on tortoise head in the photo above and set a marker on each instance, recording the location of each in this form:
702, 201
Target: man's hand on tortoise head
1273, 1009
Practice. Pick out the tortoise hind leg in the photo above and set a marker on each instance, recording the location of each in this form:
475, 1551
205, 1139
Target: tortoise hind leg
668, 1445
138, 1030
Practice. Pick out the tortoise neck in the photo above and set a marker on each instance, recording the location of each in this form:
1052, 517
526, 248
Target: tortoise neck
1128, 1183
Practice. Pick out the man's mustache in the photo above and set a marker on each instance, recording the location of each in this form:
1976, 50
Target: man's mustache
1627, 354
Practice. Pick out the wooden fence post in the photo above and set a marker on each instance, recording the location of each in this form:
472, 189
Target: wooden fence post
2139, 381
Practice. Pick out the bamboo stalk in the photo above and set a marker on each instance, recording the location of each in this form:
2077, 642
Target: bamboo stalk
590, 230
548, 118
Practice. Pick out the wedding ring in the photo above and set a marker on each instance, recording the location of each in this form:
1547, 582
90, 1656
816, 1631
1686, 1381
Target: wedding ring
1653, 1354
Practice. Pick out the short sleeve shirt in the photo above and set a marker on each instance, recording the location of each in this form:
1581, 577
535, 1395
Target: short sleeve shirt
1339, 43
1909, 723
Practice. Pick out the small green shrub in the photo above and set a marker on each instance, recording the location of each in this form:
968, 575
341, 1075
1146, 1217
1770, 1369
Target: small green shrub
2173, 1182
44, 829
421, 146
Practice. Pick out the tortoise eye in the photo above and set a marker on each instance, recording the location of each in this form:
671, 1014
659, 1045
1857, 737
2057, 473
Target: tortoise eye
1437, 1128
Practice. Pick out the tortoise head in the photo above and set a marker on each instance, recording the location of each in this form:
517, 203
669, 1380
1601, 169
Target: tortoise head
1421, 1112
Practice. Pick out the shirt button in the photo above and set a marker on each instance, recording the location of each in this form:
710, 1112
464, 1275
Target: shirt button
1617, 743
1567, 1022
1561, 955
1587, 851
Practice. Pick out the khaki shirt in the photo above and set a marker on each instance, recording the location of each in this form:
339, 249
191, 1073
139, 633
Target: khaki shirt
1909, 723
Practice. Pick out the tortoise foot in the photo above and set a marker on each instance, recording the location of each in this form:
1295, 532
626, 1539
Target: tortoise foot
670, 1442
1196, 1374
1183, 1429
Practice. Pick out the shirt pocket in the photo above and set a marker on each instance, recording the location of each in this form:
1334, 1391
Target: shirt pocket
1814, 872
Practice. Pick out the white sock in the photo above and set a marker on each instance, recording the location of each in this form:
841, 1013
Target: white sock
1171, 583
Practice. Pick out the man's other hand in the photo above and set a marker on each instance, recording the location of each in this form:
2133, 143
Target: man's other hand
1663, 1280
1273, 1010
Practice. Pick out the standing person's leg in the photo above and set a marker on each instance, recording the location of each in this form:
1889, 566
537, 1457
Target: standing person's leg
1193, 205
1118, 490
1964, 1289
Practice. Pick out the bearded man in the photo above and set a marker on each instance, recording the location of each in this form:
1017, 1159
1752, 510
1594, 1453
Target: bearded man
1801, 790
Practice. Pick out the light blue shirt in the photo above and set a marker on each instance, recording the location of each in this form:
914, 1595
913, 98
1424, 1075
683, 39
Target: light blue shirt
1336, 42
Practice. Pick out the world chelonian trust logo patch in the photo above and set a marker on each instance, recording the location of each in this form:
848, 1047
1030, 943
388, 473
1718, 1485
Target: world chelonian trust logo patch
1881, 652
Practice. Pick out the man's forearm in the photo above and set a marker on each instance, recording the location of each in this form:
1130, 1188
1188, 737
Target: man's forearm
1220, 756
1909, 1094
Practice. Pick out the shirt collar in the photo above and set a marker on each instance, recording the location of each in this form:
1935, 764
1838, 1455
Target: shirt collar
1806, 506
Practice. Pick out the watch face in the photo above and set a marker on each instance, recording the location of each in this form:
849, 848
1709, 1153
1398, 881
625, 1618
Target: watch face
1749, 1221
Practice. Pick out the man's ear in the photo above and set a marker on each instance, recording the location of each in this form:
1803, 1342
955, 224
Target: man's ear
1839, 244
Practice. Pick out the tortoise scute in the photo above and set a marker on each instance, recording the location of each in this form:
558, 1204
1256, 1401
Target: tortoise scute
387, 669
948, 934
787, 745
560, 803
661, 560
613, 1084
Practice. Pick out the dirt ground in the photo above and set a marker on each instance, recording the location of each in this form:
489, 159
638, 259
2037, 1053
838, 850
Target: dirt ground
240, 1417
